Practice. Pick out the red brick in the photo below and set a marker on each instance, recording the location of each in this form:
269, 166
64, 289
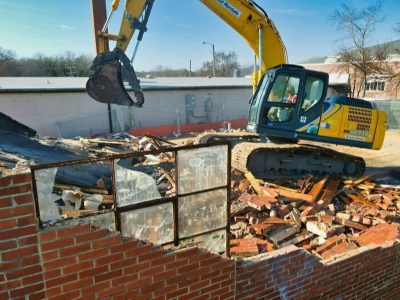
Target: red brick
4, 182
70, 295
38, 296
57, 244
13, 284
200, 285
177, 264
91, 289
26, 221
151, 271
124, 279
194, 295
210, 261
108, 275
126, 245
70, 286
52, 274
17, 211
8, 224
189, 282
23, 199
110, 258
109, 292
28, 240
22, 178
123, 263
177, 293
150, 256
28, 280
138, 251
152, 287
93, 254
4, 295
138, 283
199, 257
93, 272
102, 243
58, 263
10, 265
74, 250
78, 267
18, 232
60, 281
47, 236
137, 267
11, 244
187, 253
50, 255
166, 290
53, 291
20, 189
72, 231
87, 237
5, 203
222, 291
163, 275
21, 252
30, 260
26, 290
21, 272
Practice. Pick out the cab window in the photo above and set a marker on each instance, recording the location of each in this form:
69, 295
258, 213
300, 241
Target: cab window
312, 93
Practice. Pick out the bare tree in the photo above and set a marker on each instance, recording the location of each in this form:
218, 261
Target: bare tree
225, 64
357, 26
8, 63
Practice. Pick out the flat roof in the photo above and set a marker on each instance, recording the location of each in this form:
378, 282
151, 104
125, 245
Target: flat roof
70, 84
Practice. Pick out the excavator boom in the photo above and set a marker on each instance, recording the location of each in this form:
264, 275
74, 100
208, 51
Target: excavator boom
111, 69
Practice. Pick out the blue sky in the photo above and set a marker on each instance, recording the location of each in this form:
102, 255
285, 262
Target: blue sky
177, 28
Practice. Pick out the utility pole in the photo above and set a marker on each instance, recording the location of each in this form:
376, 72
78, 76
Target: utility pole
213, 54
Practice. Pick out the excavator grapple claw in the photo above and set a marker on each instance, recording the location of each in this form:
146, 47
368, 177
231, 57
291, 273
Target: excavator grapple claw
106, 83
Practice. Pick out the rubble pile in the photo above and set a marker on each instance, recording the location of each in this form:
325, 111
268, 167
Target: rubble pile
325, 217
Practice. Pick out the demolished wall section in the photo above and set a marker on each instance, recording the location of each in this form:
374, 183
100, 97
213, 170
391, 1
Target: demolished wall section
83, 261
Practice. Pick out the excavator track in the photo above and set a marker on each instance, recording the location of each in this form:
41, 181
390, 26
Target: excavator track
271, 160
283, 159
234, 137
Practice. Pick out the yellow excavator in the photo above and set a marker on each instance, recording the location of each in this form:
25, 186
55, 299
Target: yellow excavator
289, 102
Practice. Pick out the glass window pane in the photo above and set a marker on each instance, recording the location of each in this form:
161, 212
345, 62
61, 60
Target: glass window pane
133, 187
202, 168
154, 224
213, 242
202, 212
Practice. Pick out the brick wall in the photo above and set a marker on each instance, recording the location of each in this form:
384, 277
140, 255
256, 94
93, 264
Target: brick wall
84, 262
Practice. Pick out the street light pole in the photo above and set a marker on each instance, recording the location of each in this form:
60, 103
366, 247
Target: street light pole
213, 54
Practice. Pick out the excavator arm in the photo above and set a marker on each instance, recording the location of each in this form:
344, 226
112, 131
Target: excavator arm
111, 68
252, 23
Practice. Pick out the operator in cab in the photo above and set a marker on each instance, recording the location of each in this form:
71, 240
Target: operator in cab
292, 96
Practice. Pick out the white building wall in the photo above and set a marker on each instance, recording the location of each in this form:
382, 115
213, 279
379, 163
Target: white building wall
70, 114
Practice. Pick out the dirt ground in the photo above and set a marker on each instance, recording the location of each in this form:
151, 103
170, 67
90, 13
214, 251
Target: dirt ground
385, 162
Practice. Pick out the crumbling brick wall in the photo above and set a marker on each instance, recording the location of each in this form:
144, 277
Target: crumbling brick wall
84, 262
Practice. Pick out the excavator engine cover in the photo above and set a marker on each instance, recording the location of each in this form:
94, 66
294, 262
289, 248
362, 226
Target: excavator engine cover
106, 84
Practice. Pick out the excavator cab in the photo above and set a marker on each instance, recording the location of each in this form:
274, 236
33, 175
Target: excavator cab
309, 115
